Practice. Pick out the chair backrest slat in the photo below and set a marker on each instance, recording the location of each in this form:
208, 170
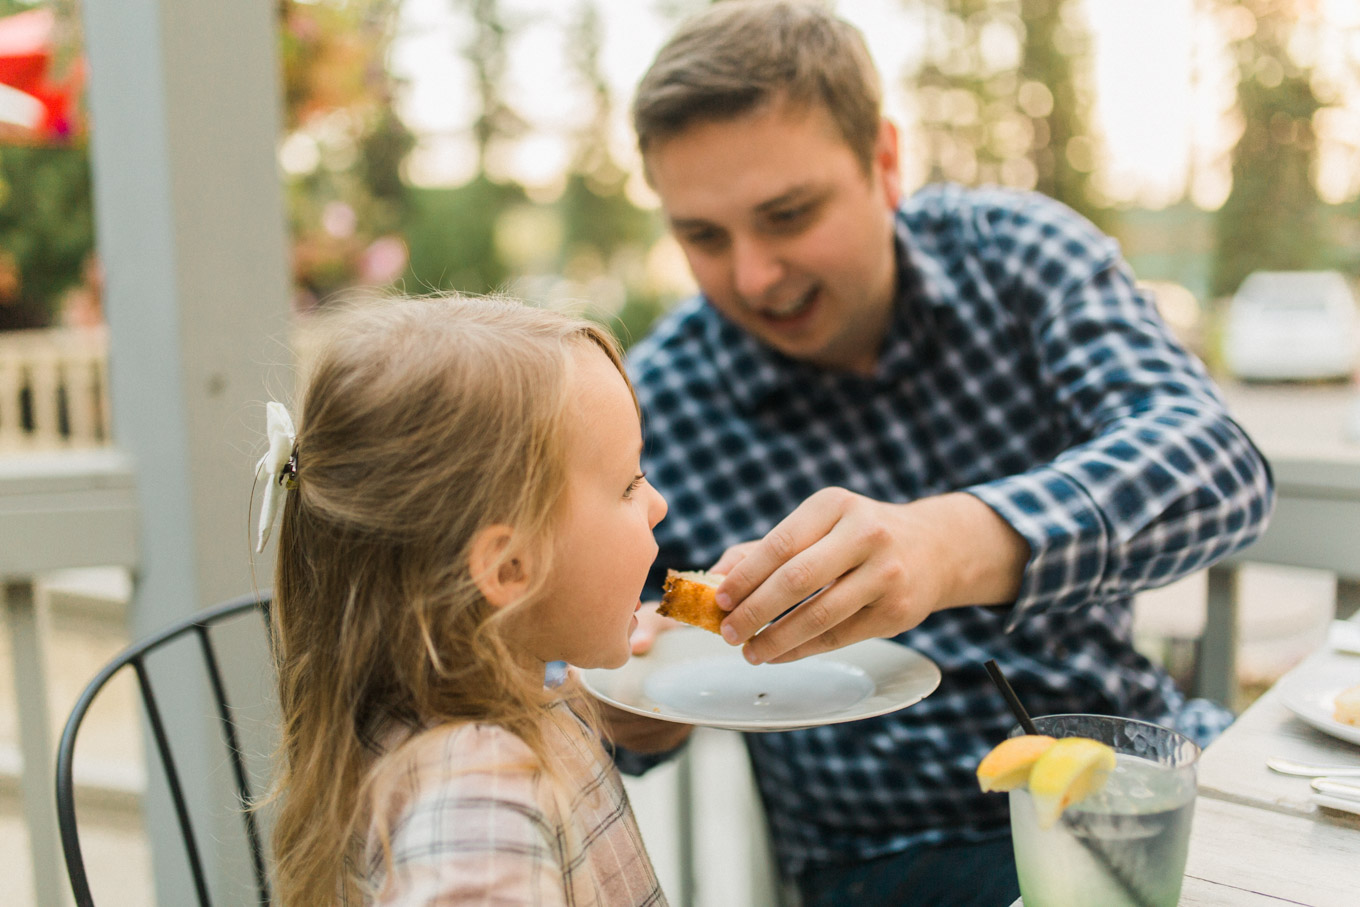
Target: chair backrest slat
186, 827
134, 656
238, 765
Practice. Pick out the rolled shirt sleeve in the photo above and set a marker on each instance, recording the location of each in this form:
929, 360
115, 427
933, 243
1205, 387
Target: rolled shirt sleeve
1166, 482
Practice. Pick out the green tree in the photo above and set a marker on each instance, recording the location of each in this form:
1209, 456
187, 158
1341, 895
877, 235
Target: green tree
1005, 96
343, 146
600, 223
451, 234
487, 55
587, 242
1271, 218
46, 229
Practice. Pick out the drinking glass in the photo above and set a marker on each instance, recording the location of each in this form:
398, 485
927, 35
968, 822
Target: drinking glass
1124, 845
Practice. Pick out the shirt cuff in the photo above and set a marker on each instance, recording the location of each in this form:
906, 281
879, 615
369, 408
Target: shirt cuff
631, 763
1068, 536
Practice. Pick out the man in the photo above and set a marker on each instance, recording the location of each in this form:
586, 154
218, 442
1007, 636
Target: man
953, 414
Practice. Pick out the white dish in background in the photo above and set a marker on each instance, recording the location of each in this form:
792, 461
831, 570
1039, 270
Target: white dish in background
1312, 698
692, 676
1344, 636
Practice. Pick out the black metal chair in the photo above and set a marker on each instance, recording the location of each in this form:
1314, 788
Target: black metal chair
135, 656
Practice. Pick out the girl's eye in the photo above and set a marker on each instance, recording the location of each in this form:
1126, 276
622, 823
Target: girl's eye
635, 484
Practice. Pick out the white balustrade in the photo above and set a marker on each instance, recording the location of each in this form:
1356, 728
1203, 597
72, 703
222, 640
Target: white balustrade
54, 389
58, 509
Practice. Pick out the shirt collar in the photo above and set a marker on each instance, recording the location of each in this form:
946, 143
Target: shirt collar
753, 371
750, 369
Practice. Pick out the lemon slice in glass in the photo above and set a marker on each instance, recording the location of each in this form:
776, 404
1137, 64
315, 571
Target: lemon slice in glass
1067, 772
1008, 765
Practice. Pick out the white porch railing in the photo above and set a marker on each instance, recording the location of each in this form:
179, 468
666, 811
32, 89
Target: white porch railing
58, 510
66, 501
54, 389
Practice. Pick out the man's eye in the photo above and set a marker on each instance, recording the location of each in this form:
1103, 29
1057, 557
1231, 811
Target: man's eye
789, 217
704, 238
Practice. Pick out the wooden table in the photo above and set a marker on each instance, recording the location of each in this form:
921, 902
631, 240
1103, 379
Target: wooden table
1257, 838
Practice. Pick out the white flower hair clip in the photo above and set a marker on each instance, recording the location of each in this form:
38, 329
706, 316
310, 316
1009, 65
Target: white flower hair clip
278, 467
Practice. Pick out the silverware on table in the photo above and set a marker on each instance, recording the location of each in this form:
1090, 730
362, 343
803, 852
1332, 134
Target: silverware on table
1311, 770
1334, 788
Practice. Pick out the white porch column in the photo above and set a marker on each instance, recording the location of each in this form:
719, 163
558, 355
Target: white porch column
185, 104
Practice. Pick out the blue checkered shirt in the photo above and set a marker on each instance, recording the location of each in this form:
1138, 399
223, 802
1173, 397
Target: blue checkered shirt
1023, 366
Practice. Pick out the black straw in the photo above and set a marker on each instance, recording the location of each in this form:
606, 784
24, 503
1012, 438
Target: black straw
1012, 700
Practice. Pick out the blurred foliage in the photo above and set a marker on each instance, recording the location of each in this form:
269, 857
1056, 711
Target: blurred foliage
1004, 96
1272, 217
343, 146
46, 218
487, 55
46, 229
586, 246
451, 234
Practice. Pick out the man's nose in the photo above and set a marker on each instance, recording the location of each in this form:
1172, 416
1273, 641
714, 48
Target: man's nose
756, 269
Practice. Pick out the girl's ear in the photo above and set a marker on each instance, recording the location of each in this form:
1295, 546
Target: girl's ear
502, 574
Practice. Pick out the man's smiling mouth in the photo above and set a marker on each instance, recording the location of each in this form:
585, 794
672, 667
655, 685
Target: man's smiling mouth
791, 309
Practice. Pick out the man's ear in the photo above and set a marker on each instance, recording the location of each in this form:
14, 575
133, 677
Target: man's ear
888, 163
501, 572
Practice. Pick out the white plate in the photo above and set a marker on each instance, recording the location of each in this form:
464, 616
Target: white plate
692, 676
1312, 698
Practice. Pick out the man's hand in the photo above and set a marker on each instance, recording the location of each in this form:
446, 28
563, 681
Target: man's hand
640, 733
627, 729
881, 568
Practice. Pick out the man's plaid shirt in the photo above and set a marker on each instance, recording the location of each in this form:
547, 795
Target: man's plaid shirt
1025, 367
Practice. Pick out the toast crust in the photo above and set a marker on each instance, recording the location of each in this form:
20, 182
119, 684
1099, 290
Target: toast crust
689, 597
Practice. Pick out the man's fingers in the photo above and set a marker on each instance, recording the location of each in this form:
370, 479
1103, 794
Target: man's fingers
819, 567
838, 616
733, 556
858, 627
812, 520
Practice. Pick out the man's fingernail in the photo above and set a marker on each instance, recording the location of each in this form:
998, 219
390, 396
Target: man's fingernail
729, 633
751, 657
724, 601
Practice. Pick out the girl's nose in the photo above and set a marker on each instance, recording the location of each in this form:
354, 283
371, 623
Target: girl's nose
656, 511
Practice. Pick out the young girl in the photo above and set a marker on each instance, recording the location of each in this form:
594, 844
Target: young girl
462, 504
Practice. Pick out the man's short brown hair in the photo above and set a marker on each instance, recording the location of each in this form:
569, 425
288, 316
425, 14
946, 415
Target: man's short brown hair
740, 55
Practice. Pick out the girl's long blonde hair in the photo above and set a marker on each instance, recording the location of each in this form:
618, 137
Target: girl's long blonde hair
424, 420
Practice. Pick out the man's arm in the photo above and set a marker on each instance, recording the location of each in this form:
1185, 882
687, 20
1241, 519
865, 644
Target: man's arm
1158, 482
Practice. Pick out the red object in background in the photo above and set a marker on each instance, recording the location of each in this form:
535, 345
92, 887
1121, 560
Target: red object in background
26, 51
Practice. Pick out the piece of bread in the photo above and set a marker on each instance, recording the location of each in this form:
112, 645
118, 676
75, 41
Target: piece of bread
688, 596
1346, 709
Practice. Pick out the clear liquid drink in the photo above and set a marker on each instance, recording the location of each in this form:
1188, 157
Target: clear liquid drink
1125, 845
